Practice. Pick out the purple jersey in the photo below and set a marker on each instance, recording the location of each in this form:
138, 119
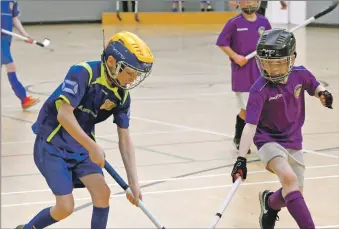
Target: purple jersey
278, 110
242, 35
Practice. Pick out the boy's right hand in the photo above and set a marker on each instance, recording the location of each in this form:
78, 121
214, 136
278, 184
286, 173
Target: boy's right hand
240, 60
97, 155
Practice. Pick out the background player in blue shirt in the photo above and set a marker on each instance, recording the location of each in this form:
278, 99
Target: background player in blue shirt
275, 116
9, 17
65, 150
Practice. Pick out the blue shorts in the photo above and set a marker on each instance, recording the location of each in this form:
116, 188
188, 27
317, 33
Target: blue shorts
62, 169
6, 57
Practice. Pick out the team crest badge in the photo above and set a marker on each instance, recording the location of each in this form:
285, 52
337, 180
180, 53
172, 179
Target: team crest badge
297, 90
108, 105
261, 30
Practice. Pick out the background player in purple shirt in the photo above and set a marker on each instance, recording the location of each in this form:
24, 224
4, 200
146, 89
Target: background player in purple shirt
275, 116
238, 39
65, 150
9, 17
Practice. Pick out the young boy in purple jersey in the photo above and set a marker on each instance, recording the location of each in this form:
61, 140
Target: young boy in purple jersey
238, 39
9, 18
275, 116
65, 150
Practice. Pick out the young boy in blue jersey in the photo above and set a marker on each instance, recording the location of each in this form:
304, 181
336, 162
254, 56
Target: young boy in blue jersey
9, 17
65, 150
274, 120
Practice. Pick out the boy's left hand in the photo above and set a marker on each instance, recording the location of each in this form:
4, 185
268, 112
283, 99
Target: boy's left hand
326, 98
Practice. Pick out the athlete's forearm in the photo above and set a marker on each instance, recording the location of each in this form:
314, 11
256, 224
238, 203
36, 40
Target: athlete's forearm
68, 121
229, 51
246, 139
128, 155
18, 25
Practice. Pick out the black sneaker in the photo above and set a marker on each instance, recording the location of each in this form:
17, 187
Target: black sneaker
236, 143
20, 227
268, 216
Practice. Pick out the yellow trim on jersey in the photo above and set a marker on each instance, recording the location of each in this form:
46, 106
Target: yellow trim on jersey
58, 102
55, 131
103, 81
89, 69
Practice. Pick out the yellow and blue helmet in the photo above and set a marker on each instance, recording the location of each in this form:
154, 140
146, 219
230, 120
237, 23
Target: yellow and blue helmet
128, 50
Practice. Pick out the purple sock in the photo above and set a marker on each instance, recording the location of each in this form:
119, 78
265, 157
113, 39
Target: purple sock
298, 209
99, 218
276, 200
41, 220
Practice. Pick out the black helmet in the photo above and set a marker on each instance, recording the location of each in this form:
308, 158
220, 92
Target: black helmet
250, 7
276, 51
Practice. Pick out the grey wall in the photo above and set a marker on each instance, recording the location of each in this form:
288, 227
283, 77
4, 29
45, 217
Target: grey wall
66, 10
313, 7
69, 10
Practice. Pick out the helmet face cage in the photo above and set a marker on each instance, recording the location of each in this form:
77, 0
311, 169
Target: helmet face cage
275, 70
120, 66
250, 7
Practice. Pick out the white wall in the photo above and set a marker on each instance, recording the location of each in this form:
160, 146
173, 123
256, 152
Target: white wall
297, 12
294, 14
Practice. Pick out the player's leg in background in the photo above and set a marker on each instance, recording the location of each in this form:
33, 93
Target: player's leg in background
203, 6
175, 6
290, 195
242, 98
91, 176
17, 87
59, 179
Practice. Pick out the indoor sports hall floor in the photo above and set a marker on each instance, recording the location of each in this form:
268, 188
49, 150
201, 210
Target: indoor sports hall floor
182, 125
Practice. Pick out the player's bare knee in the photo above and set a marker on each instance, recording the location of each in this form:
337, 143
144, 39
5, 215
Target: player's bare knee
11, 67
289, 180
64, 207
101, 196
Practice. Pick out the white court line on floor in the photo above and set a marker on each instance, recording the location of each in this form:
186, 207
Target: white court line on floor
320, 154
171, 191
214, 133
110, 135
192, 95
328, 226
173, 179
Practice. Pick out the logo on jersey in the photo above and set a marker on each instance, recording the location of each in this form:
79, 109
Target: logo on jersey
108, 105
70, 86
275, 97
297, 90
261, 30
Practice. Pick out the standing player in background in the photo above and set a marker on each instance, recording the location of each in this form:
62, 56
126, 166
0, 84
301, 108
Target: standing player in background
176, 5
9, 17
205, 6
262, 8
275, 117
238, 39
65, 150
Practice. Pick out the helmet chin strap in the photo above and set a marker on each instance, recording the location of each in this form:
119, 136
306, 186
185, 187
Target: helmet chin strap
110, 76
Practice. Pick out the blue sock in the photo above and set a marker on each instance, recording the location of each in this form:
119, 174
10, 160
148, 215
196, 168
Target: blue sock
17, 87
41, 220
99, 218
